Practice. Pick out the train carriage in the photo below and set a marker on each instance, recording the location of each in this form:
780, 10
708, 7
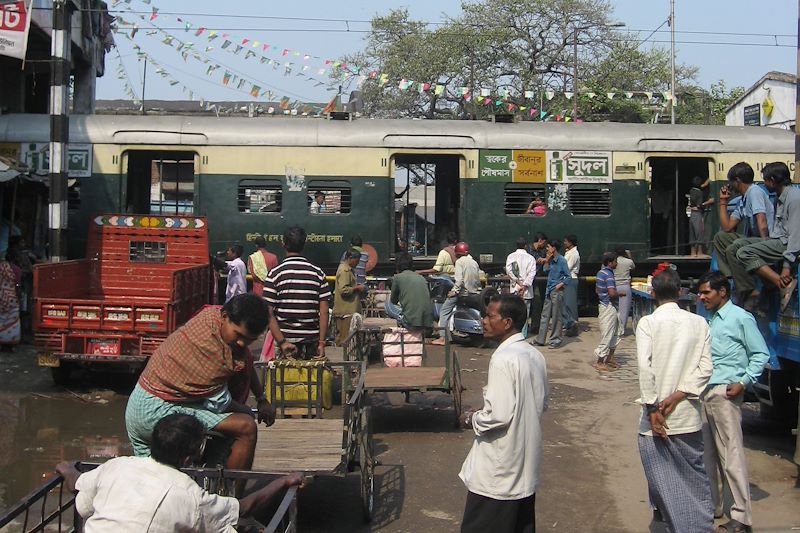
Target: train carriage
400, 184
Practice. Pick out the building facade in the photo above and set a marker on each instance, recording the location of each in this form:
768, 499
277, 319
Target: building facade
769, 102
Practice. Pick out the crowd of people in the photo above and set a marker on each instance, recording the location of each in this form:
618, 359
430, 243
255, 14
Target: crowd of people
691, 385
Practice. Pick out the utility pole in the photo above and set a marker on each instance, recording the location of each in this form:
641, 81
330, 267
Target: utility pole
672, 59
144, 84
59, 129
575, 72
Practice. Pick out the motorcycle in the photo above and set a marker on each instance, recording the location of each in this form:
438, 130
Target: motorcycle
466, 323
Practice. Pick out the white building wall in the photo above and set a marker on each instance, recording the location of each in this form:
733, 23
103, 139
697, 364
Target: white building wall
783, 97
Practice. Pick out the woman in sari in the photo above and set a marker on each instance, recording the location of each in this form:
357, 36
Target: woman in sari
10, 276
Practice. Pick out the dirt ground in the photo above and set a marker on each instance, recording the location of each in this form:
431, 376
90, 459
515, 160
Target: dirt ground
592, 475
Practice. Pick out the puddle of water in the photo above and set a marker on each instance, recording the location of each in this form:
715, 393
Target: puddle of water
36, 433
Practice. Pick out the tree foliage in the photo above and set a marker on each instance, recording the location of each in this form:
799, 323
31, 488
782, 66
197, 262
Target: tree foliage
514, 47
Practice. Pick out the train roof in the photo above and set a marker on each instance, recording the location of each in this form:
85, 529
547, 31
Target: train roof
426, 134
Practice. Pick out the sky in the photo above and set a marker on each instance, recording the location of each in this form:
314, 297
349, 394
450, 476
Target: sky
730, 40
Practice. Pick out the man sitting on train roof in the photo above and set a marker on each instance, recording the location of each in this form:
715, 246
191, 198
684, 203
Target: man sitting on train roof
753, 217
196, 363
446, 260
152, 494
757, 256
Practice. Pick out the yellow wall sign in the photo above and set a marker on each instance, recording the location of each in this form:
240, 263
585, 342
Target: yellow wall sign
530, 166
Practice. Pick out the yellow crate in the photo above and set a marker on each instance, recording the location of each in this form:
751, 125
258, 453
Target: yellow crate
297, 387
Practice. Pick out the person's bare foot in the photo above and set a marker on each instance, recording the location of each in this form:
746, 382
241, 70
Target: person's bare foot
600, 366
438, 342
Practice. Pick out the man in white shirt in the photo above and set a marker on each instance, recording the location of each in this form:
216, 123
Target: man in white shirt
236, 270
521, 269
673, 371
467, 281
570, 312
151, 494
501, 471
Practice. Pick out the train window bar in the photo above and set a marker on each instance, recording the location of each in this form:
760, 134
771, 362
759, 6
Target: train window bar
518, 198
338, 197
260, 196
590, 200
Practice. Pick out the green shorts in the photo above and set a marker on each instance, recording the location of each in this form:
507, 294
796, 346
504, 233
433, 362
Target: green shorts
145, 410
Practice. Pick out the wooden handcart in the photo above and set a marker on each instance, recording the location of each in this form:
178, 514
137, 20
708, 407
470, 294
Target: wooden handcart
309, 443
362, 346
51, 507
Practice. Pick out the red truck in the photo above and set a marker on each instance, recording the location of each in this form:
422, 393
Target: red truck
144, 276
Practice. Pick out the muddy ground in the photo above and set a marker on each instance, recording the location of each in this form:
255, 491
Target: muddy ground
592, 476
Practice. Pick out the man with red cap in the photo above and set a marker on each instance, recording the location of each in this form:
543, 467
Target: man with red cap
467, 281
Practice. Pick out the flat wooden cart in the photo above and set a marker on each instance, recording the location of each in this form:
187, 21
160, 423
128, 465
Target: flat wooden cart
362, 345
307, 442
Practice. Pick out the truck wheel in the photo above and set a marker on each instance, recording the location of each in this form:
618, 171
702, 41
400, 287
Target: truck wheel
61, 374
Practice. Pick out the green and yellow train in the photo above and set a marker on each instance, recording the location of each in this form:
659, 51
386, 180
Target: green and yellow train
398, 183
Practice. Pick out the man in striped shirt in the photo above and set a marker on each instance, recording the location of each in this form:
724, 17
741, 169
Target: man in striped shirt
298, 295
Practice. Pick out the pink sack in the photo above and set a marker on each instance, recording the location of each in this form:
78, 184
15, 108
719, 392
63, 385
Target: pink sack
401, 341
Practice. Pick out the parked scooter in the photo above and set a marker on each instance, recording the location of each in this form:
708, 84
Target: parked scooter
466, 324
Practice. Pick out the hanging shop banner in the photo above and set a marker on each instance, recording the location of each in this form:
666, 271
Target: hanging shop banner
15, 21
518, 166
37, 157
578, 167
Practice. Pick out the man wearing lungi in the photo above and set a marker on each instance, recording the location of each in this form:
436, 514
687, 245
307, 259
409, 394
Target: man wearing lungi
607, 297
673, 371
738, 353
190, 372
501, 471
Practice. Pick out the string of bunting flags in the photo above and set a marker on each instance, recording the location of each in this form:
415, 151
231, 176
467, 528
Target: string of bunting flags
253, 48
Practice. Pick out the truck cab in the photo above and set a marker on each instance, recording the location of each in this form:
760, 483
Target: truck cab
143, 277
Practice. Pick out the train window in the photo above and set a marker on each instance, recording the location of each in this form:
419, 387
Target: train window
590, 199
147, 252
329, 197
172, 187
524, 200
260, 196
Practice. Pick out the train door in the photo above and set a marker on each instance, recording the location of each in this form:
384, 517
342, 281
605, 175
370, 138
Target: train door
427, 199
671, 178
159, 182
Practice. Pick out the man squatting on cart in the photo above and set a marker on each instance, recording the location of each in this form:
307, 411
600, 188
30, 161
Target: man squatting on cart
190, 373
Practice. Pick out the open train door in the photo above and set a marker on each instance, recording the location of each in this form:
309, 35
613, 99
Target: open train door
159, 182
671, 179
427, 199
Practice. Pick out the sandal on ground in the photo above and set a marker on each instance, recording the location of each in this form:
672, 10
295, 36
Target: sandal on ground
600, 367
612, 363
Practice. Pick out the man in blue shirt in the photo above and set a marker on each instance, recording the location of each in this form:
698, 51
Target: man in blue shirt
606, 289
751, 221
738, 354
783, 245
558, 277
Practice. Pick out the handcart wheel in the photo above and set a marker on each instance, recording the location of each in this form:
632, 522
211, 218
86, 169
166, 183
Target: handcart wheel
366, 461
456, 388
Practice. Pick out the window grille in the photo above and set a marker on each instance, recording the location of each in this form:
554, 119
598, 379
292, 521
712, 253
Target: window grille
517, 198
590, 200
260, 196
338, 196
147, 252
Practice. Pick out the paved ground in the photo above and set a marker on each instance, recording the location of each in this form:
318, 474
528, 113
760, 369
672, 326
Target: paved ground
592, 477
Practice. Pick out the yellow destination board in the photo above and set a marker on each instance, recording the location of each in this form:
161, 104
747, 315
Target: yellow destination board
530, 166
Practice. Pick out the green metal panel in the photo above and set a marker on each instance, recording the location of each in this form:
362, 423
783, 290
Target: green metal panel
490, 231
328, 235
100, 193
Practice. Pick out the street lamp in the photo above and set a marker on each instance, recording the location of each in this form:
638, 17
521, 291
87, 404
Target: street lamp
575, 31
